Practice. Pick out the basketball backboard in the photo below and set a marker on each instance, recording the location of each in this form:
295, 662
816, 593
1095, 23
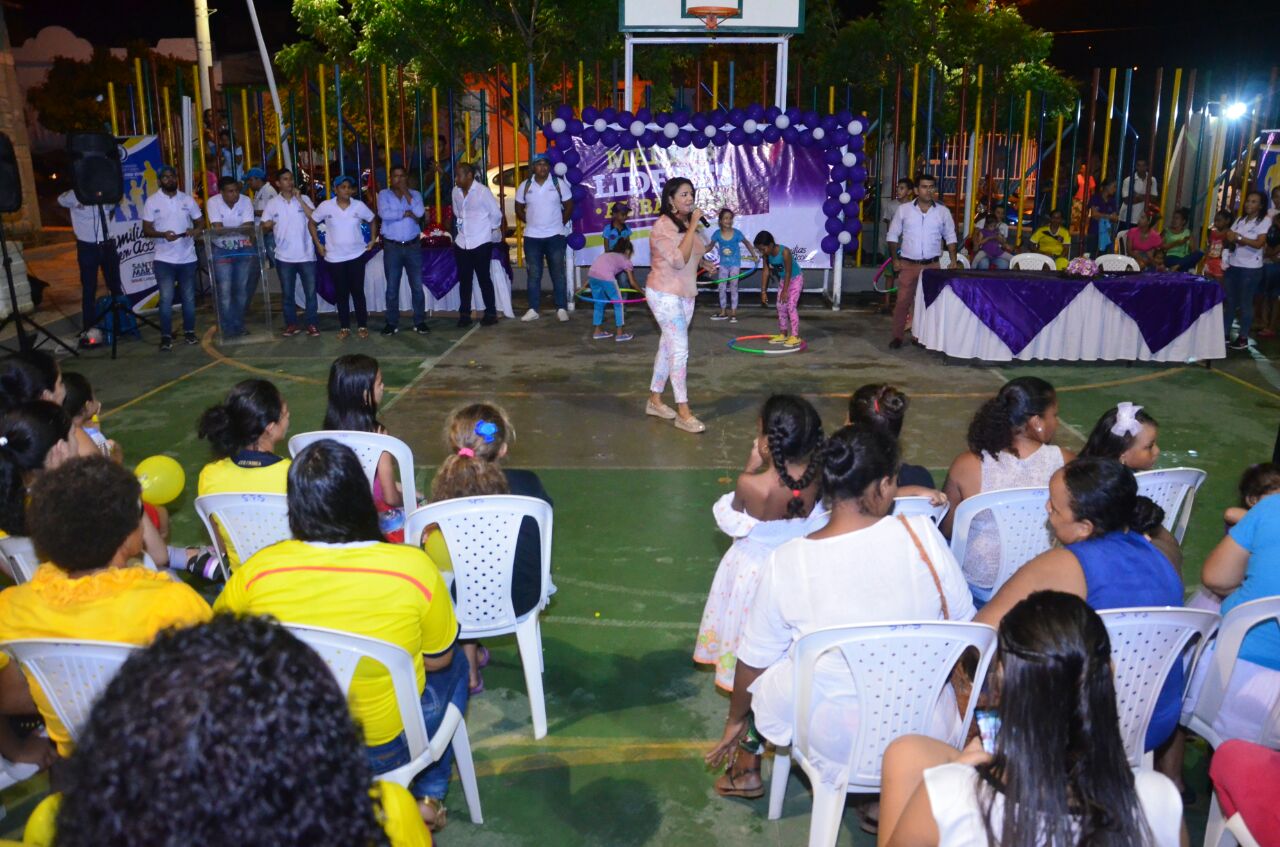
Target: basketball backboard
754, 16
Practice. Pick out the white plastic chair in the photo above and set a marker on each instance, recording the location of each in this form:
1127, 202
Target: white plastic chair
1145, 642
368, 447
1022, 523
343, 651
1174, 490
1116, 263
944, 261
898, 670
1032, 262
480, 533
251, 521
72, 673
1228, 833
23, 560
908, 506
1200, 715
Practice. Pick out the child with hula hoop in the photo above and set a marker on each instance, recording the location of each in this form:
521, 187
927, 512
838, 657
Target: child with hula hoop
781, 262
601, 277
728, 243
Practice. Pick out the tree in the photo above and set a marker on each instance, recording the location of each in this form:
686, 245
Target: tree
73, 97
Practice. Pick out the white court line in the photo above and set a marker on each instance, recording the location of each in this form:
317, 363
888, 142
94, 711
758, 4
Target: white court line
679, 596
669, 626
427, 367
1264, 366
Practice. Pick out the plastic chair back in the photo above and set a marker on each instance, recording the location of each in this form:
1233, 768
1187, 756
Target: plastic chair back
909, 506
480, 533
22, 557
1231, 632
1145, 642
251, 521
72, 673
944, 261
1021, 521
368, 447
1032, 262
1116, 263
899, 670
1174, 490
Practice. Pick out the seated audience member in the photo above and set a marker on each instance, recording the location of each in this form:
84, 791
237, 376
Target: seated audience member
355, 390
232, 732
337, 572
990, 247
1178, 255
904, 571
1256, 482
1145, 239
1053, 240
40, 380
83, 518
884, 407
1105, 558
243, 432
34, 437
476, 438
1057, 773
1009, 447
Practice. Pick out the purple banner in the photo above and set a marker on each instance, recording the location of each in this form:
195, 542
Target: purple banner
777, 187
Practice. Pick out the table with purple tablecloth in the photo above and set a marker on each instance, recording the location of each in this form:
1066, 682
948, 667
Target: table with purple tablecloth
998, 316
439, 278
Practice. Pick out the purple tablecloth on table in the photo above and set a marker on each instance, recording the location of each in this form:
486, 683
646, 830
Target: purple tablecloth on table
1017, 305
439, 269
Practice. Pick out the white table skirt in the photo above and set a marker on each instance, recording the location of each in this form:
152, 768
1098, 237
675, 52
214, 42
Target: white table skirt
1090, 328
375, 292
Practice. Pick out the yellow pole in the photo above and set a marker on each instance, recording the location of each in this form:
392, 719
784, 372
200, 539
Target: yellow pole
1215, 155
915, 99
168, 117
111, 101
280, 142
831, 100
142, 96
244, 113
1057, 158
1106, 133
715, 85
581, 88
466, 133
386, 128
1168, 146
977, 148
324, 128
435, 135
1022, 164
198, 130
515, 149
1248, 158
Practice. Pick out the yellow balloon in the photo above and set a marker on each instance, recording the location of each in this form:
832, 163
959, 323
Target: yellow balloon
162, 479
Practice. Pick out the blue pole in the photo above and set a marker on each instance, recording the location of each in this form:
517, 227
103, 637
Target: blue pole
337, 102
1124, 133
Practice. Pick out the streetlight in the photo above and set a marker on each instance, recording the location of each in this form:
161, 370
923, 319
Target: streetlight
1235, 111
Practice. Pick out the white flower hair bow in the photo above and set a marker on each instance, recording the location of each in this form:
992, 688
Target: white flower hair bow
1126, 420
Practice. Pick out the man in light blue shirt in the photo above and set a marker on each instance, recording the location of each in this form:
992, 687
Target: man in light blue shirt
401, 211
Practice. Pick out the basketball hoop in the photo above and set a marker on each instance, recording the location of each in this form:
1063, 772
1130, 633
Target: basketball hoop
713, 15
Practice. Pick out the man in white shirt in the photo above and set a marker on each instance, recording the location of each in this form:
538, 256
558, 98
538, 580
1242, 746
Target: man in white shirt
286, 217
169, 218
479, 221
400, 212
94, 250
916, 235
235, 253
544, 204
255, 179
1136, 192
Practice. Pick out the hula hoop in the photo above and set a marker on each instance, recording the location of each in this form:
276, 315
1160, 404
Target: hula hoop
640, 299
736, 344
742, 275
875, 280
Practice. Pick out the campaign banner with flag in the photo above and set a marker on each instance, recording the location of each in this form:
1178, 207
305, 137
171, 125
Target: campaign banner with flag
140, 160
1269, 164
778, 187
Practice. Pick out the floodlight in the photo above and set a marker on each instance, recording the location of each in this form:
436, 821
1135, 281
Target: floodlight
1235, 110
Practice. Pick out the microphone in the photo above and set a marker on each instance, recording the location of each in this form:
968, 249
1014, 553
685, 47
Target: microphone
702, 219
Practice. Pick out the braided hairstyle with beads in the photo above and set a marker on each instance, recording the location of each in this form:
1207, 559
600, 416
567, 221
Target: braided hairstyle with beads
793, 431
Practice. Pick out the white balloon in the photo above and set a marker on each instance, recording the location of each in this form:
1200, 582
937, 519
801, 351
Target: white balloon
855, 127
600, 125
637, 128
749, 126
849, 160
671, 130
561, 169
819, 133
782, 121
710, 131
845, 197
558, 125
844, 237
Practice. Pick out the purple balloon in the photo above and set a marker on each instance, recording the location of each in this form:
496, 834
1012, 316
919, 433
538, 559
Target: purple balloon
577, 213
810, 118
736, 117
565, 112
831, 207
643, 114
647, 139
627, 141
548, 133
590, 136
838, 138
577, 241
856, 142
625, 119
609, 137
771, 113
699, 121
791, 135
852, 246
829, 124
853, 226
575, 127
756, 112
574, 175
844, 116
839, 173
564, 141
577, 191
609, 114
681, 116
737, 136
834, 189
571, 157
684, 138
772, 134
830, 244
755, 139
858, 174
857, 192
700, 141
663, 142
794, 114
590, 113
832, 225
851, 208
831, 157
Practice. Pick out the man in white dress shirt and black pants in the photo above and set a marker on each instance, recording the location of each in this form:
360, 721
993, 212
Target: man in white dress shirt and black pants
479, 221
545, 203
93, 251
916, 235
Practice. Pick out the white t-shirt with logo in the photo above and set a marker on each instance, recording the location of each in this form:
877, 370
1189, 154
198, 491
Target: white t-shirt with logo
543, 214
289, 227
263, 196
172, 214
1248, 257
343, 239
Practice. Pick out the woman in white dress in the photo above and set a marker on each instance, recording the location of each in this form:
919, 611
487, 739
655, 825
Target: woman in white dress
1056, 773
863, 567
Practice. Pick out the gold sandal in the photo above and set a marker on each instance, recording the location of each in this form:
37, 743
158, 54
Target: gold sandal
439, 814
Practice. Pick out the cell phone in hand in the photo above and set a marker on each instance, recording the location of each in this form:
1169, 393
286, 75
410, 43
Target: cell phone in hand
988, 728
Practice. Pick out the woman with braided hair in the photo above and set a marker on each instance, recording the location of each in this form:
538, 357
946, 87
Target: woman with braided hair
776, 500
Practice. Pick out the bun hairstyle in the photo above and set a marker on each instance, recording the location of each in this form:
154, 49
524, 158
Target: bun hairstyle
793, 431
329, 496
1104, 442
238, 422
351, 403
474, 437
27, 433
667, 209
1105, 493
853, 460
79, 394
993, 426
20, 382
878, 406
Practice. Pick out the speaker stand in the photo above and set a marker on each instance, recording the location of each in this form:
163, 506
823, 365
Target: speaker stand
19, 320
117, 309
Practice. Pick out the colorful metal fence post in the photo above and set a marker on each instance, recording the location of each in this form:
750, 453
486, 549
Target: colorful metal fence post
369, 129
960, 140
515, 152
142, 108
731, 81
198, 130
1188, 110
337, 107
1085, 194
1057, 164
971, 193
1022, 165
1124, 134
915, 99
1106, 133
404, 129
386, 124
897, 114
928, 119
1168, 146
417, 127
111, 104
435, 144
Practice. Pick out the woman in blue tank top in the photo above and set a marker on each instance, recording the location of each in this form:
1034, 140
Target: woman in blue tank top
1095, 512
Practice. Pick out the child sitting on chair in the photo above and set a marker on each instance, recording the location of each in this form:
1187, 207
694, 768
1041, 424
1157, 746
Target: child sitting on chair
1053, 240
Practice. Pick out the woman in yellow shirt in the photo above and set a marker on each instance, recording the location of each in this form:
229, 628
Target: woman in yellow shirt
243, 431
233, 732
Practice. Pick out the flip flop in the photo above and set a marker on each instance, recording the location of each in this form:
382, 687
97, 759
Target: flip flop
482, 657
478, 688
727, 785
867, 823
441, 814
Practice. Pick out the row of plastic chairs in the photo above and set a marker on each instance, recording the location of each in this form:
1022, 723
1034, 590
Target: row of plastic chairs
1032, 261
